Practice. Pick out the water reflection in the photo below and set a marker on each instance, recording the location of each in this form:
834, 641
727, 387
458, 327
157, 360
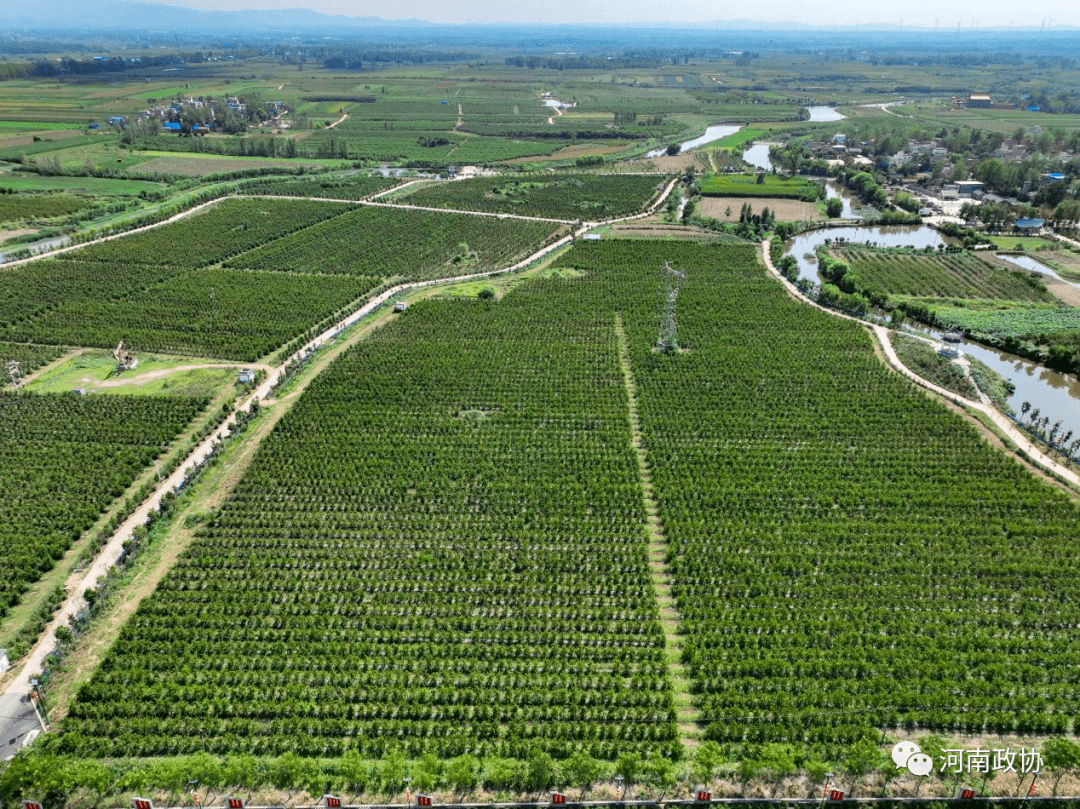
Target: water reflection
883, 236
824, 114
714, 132
1055, 395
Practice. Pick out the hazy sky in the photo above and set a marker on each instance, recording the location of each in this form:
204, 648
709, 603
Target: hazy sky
945, 14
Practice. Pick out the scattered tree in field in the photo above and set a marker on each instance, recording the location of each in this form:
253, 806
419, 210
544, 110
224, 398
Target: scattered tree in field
582, 770
1061, 756
860, 759
706, 762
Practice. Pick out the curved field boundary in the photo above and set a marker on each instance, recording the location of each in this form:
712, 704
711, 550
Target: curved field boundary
1034, 454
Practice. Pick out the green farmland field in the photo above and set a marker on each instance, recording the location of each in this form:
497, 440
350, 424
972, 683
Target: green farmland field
483, 498
590, 197
747, 185
930, 275
387, 242
63, 459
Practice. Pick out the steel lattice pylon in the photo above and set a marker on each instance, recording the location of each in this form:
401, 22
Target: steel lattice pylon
668, 340
13, 371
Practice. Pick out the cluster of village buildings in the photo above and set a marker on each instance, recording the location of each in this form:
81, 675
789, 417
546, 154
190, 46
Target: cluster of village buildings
209, 111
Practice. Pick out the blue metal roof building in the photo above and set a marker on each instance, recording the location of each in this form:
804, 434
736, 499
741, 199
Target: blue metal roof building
1029, 224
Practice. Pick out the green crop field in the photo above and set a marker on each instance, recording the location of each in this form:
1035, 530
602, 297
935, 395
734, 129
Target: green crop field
230, 314
63, 459
589, 197
747, 185
29, 356
497, 541
483, 500
214, 233
452, 515
352, 187
25, 207
932, 275
104, 186
823, 526
387, 242
1008, 320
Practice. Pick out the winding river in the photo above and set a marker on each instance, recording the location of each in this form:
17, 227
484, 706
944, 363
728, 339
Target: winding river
714, 132
1055, 395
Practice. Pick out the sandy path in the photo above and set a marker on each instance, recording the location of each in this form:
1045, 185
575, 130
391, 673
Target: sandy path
344, 115
1034, 453
161, 373
19, 687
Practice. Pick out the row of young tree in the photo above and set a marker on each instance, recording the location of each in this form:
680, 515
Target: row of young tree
828, 476
480, 515
860, 769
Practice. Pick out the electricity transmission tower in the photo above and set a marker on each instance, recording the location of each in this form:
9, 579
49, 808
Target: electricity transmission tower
13, 371
668, 342
125, 359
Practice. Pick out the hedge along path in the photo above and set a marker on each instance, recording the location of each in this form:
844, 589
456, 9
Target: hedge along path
110, 553
689, 717
1034, 454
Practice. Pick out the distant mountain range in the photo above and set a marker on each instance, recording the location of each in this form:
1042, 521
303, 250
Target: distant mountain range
99, 15
117, 14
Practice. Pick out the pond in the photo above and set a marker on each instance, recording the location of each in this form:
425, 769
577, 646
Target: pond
714, 132
1055, 395
804, 244
1028, 263
824, 114
758, 156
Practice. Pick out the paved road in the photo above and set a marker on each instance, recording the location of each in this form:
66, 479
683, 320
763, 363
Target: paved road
18, 724
12, 719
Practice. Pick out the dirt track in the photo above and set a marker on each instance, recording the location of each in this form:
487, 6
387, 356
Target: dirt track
1002, 423
161, 373
19, 686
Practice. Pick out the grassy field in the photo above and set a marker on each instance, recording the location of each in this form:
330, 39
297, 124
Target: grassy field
1023, 242
770, 185
101, 186
95, 372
